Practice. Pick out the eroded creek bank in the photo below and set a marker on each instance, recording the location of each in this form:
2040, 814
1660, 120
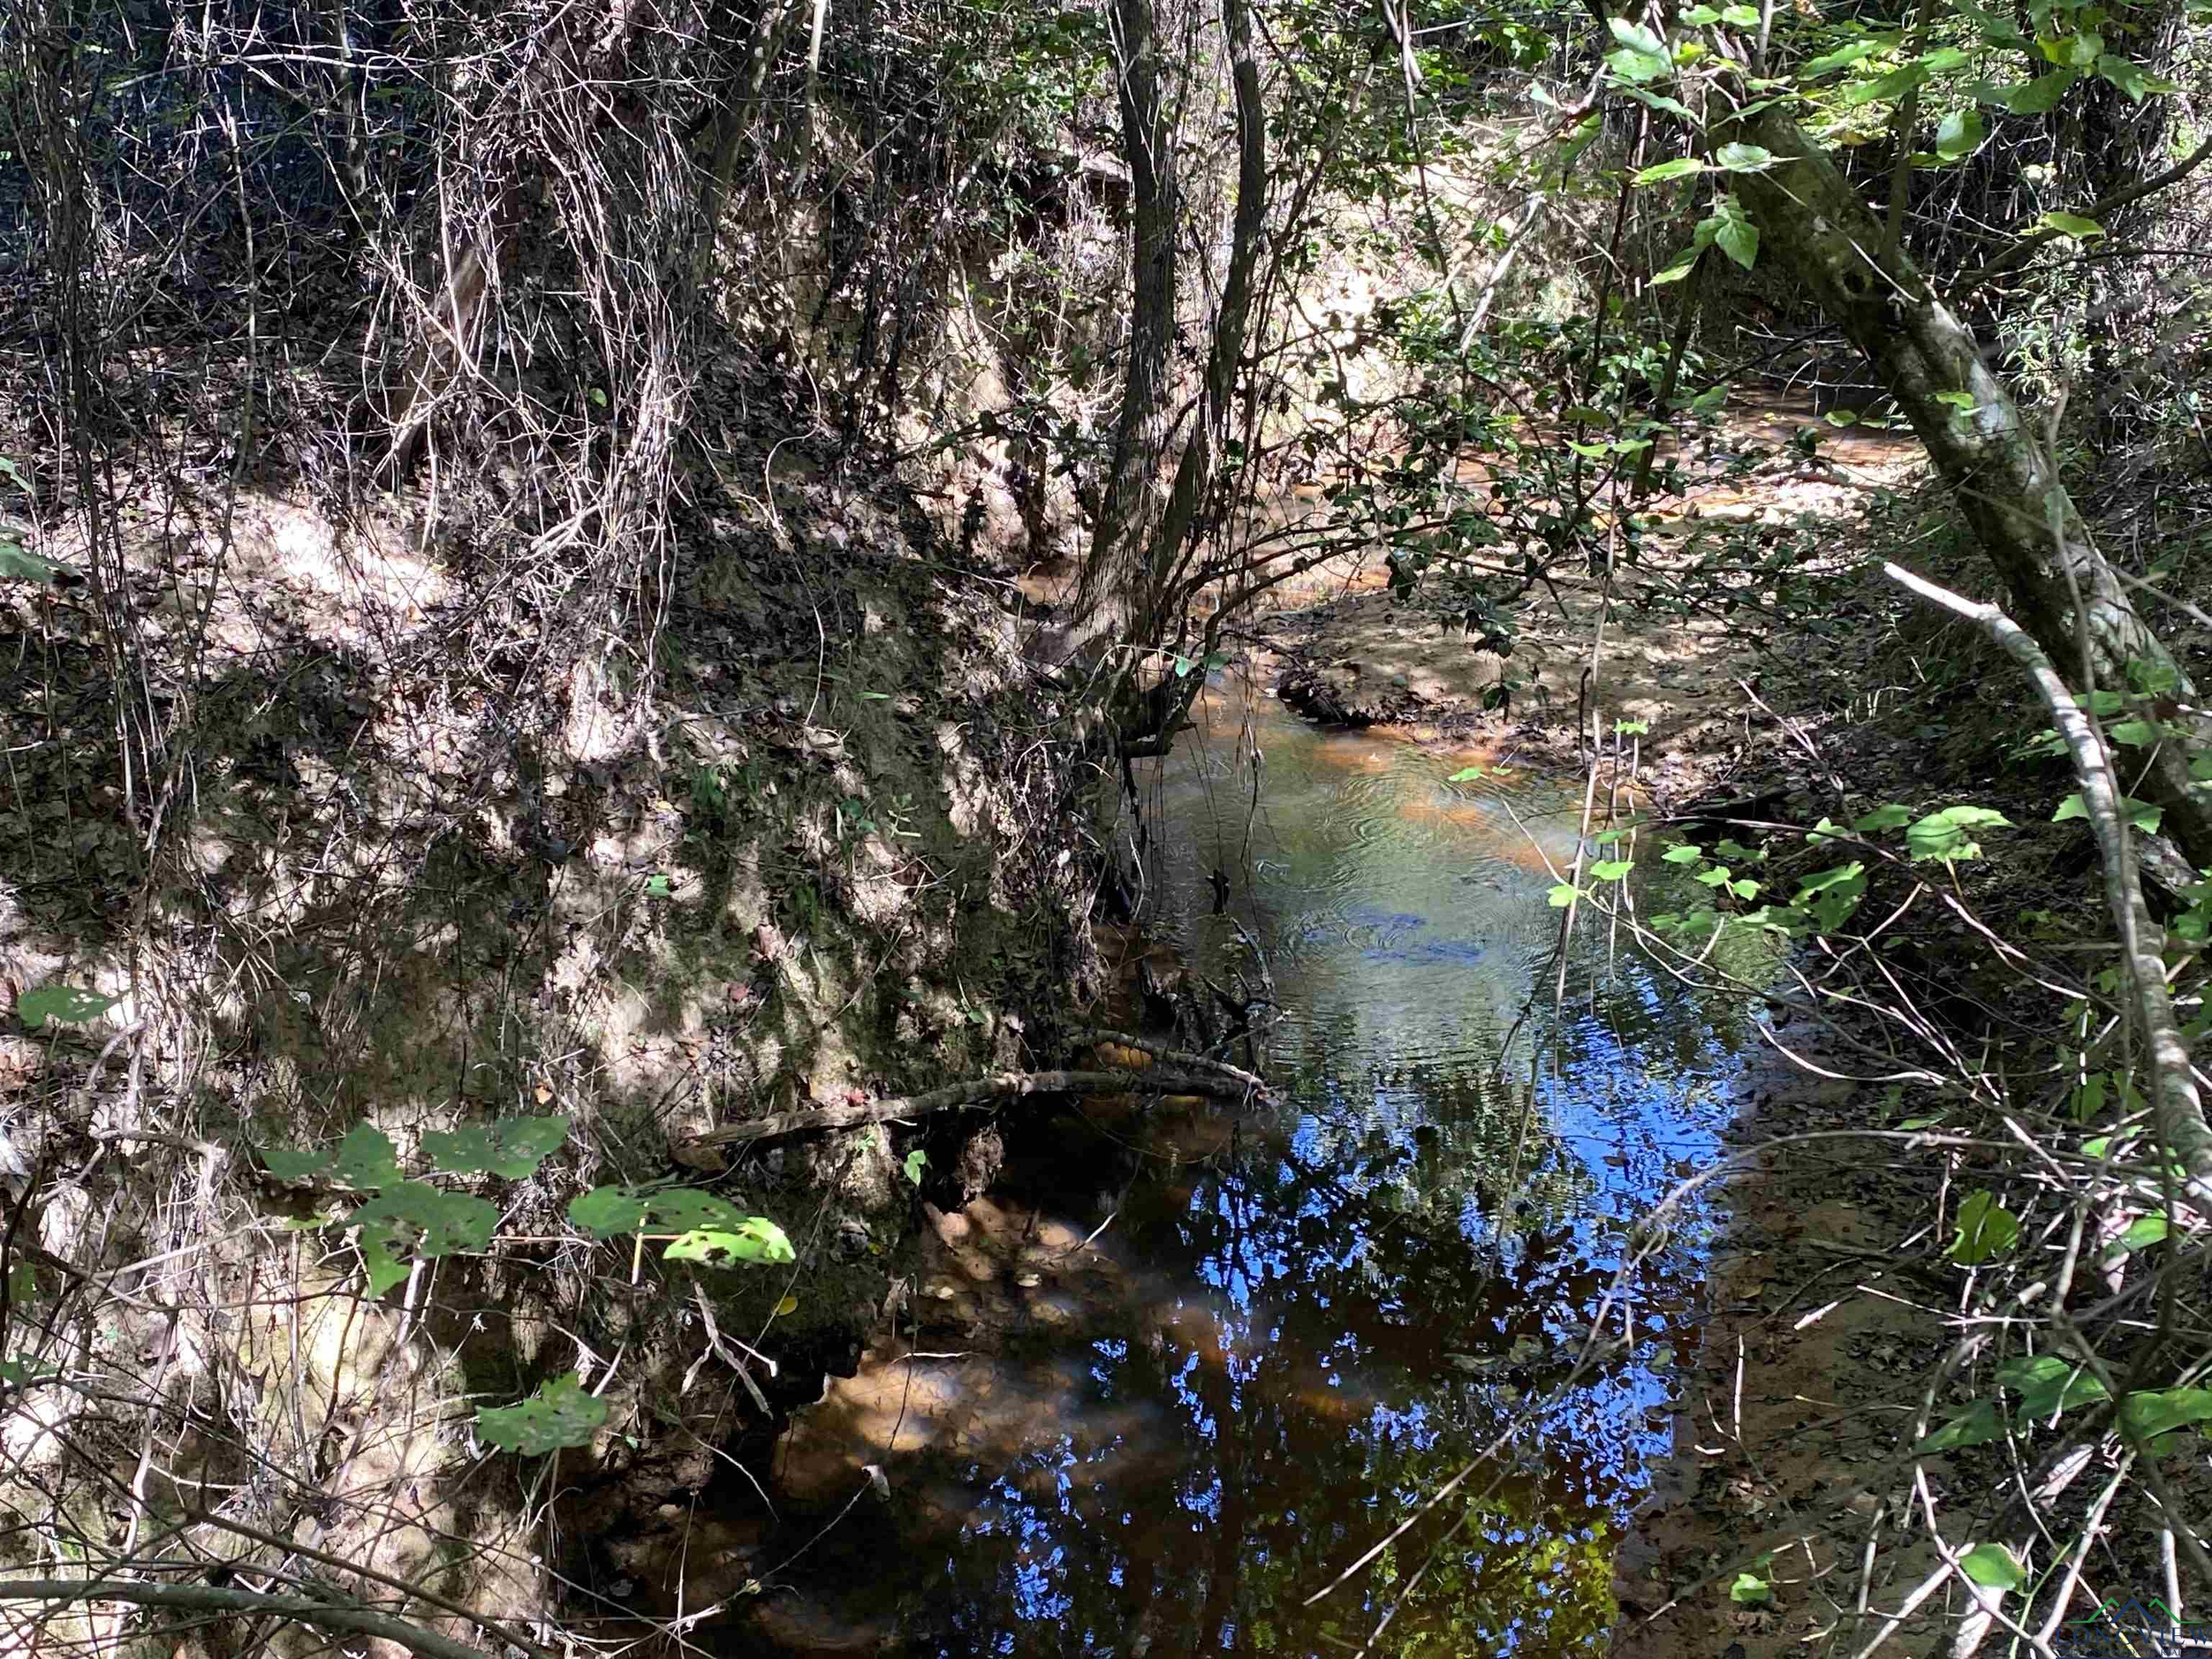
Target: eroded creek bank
1185, 1364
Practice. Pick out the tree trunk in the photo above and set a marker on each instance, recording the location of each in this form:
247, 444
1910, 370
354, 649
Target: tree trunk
1194, 470
1813, 222
1111, 578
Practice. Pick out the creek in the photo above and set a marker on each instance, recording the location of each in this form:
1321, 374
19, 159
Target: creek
1184, 1364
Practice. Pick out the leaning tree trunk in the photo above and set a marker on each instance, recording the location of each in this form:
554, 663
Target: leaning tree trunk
1113, 576
1813, 222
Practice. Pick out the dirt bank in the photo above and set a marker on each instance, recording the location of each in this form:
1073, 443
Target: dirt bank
438, 854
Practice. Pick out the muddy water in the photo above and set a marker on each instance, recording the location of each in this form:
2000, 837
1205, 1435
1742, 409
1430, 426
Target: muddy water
1184, 1367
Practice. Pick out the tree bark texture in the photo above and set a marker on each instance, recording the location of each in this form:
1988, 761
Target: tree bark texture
2063, 592
1106, 593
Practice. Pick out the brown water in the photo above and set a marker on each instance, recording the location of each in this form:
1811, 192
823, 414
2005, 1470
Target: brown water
1184, 1367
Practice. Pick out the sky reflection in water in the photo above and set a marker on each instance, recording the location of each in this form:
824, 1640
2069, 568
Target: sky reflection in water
1326, 1319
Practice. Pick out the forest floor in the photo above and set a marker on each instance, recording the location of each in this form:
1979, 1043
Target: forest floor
1785, 1522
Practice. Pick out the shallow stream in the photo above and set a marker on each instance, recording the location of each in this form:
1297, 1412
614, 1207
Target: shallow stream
1185, 1365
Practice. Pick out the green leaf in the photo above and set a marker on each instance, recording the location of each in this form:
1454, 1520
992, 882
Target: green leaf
1977, 1426
2140, 1234
1638, 67
657, 885
1949, 835
1468, 775
1886, 88
2049, 1384
366, 1158
2135, 734
1890, 817
916, 1162
1743, 158
1561, 896
1831, 896
512, 1148
1750, 1590
1683, 166
2129, 77
561, 1415
1963, 402
1686, 853
1698, 17
2072, 224
1738, 240
1986, 1229
2153, 1413
1611, 869
414, 1215
2142, 814
755, 1238
1636, 37
65, 1003
605, 1212
19, 564
2038, 97
1960, 134
1993, 1565
1743, 17
1843, 57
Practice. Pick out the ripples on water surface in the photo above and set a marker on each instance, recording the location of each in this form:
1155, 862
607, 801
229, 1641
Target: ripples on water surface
1299, 1324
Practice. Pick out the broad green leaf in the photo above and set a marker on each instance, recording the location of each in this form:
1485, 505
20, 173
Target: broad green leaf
1960, 134
561, 1415
19, 564
2037, 97
1843, 57
2140, 1234
2072, 224
1986, 1229
1681, 265
66, 1003
1686, 853
1992, 1565
755, 1238
1750, 1590
1561, 896
2048, 1384
1831, 896
1738, 240
1961, 401
916, 1162
414, 1215
1638, 67
1742, 18
1611, 869
1683, 166
1743, 158
2153, 1413
2135, 734
1886, 88
1468, 773
1977, 1426
1949, 835
605, 1212
2128, 76
511, 1148
2142, 814
1698, 17
1635, 37
1891, 816
365, 1160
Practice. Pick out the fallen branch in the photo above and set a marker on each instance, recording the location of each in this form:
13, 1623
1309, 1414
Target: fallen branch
976, 1092
1160, 1051
2176, 1109
207, 1598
